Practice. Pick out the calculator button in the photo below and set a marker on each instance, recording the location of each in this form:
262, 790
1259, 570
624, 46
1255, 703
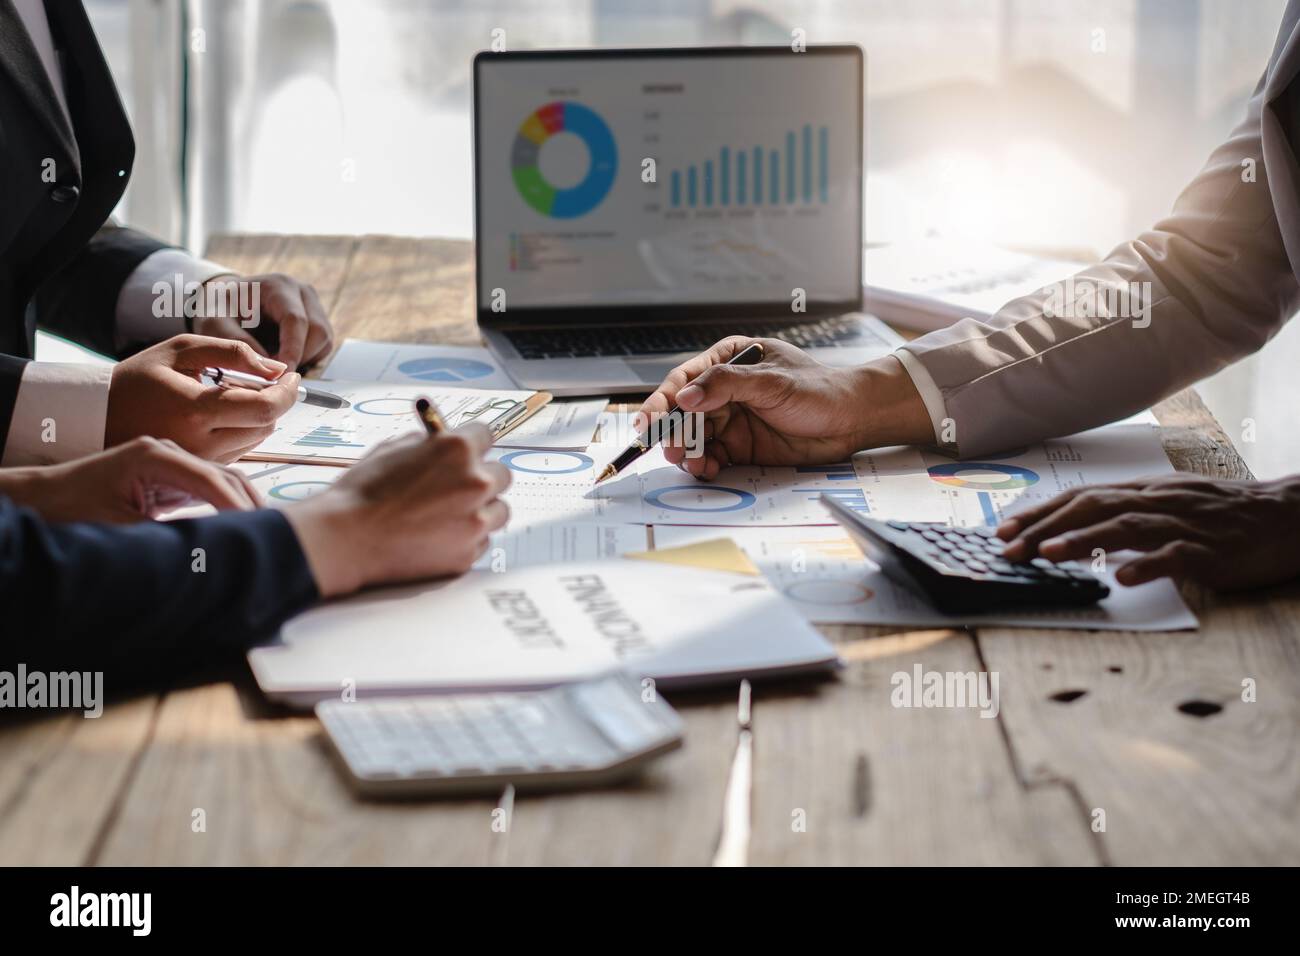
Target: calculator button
979, 566
899, 525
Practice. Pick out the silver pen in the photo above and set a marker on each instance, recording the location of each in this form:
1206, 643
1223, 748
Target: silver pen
733, 844
228, 378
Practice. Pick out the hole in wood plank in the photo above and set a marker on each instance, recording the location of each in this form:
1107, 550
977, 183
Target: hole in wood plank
1199, 708
1115, 669
1067, 696
1046, 666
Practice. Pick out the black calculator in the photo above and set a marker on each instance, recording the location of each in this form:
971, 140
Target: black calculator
961, 570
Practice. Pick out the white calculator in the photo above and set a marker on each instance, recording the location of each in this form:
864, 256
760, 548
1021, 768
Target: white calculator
582, 734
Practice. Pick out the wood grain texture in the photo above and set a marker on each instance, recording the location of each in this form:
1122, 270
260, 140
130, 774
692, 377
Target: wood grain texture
271, 796
61, 778
875, 784
1113, 717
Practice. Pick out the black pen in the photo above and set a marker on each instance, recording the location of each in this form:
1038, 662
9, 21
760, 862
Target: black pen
429, 415
751, 354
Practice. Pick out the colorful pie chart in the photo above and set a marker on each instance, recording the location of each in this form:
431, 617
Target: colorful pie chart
547, 121
983, 476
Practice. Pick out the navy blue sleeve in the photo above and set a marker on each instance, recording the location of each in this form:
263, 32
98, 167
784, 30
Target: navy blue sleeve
93, 597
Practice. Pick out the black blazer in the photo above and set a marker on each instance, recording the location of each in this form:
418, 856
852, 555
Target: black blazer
81, 596
60, 267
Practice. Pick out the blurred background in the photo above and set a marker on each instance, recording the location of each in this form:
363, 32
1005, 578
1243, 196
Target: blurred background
1051, 126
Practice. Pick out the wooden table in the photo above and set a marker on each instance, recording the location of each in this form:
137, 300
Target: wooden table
1150, 728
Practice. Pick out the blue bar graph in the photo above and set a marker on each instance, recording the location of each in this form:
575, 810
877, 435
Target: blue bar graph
724, 165
735, 175
823, 162
789, 167
323, 436
852, 498
807, 163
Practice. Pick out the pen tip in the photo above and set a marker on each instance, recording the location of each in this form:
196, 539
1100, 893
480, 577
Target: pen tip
609, 472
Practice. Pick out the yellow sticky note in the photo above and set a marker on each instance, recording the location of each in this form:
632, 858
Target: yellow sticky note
718, 554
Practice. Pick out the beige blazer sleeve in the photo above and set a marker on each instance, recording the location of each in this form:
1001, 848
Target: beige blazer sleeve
1221, 284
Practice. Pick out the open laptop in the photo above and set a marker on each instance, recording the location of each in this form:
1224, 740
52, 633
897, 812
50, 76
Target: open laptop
632, 207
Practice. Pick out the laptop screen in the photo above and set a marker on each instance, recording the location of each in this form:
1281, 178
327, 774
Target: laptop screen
672, 178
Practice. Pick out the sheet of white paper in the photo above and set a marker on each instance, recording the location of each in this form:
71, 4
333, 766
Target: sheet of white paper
540, 626
551, 487
358, 360
824, 574
908, 483
563, 425
530, 538
379, 411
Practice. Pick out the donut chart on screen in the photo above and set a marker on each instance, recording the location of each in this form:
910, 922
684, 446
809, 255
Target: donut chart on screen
563, 116
983, 476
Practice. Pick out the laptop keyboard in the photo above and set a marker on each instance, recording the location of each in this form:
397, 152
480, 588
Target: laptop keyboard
831, 332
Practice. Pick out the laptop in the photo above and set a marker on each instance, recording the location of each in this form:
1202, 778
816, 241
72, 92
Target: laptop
632, 207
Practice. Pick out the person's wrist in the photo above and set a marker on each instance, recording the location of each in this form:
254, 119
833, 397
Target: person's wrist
888, 408
326, 528
25, 486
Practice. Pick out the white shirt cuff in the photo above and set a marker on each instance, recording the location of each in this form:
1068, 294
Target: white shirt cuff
60, 413
146, 311
928, 391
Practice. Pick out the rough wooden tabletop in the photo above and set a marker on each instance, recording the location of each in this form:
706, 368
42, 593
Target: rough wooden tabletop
1149, 728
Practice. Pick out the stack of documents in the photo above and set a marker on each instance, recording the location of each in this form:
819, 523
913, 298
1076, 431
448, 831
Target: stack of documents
932, 283
541, 626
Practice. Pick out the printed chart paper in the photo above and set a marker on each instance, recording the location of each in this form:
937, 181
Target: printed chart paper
822, 572
530, 538
358, 360
378, 412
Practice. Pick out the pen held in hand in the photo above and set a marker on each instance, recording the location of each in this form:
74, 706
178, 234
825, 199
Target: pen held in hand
751, 354
430, 417
227, 378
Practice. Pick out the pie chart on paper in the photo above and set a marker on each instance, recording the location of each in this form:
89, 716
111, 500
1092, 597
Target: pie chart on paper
444, 368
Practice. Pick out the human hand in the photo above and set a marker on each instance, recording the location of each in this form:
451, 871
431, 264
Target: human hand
787, 409
1224, 534
299, 331
132, 482
158, 392
416, 507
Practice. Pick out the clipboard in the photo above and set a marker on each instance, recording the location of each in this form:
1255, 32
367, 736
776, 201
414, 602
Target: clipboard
518, 413
500, 422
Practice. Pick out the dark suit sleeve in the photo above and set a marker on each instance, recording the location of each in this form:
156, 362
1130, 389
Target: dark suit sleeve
79, 301
98, 597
